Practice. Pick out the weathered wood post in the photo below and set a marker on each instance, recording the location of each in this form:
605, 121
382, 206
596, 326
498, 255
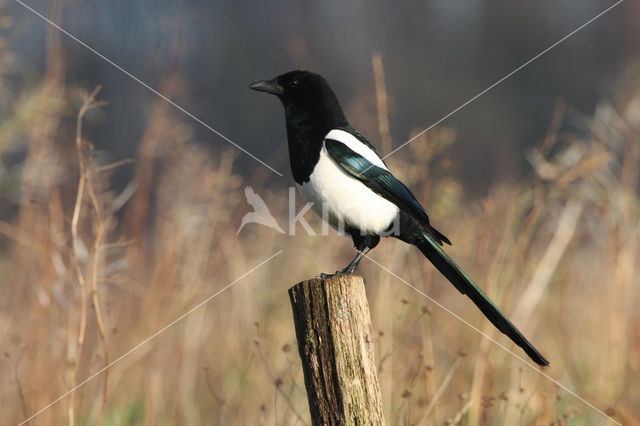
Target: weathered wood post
333, 328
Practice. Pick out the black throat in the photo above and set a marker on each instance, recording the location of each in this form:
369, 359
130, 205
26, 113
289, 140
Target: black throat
307, 125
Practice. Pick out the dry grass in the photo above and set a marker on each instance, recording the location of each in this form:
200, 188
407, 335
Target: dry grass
88, 273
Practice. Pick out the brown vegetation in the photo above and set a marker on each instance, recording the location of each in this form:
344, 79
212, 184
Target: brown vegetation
84, 280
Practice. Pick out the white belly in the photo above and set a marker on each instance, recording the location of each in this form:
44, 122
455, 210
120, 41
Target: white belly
346, 200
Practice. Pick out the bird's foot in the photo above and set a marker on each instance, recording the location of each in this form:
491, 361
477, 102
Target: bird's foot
324, 276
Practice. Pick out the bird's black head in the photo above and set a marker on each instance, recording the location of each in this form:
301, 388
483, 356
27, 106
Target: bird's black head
311, 110
295, 86
304, 93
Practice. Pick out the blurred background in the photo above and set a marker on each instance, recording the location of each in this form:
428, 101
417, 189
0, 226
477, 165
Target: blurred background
118, 212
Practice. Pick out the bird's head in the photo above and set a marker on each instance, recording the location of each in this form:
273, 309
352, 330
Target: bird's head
295, 86
303, 92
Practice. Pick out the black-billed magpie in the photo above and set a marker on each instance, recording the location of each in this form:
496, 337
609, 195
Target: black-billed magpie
350, 186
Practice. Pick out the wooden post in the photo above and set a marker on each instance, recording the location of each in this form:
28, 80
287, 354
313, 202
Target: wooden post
333, 328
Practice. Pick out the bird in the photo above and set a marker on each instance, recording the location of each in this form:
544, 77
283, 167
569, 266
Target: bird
260, 213
338, 170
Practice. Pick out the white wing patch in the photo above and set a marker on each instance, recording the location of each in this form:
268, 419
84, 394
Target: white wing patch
355, 145
347, 201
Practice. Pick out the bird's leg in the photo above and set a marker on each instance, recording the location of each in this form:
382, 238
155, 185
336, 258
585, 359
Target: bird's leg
351, 267
363, 244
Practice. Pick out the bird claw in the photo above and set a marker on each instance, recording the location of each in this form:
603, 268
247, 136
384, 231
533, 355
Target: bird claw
347, 271
324, 276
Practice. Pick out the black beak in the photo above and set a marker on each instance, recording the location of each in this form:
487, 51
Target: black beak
269, 86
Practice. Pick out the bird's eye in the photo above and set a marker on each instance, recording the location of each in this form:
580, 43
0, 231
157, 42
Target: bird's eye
294, 83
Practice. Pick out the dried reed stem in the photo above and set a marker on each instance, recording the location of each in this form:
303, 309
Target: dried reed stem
85, 182
441, 389
95, 295
76, 264
23, 402
83, 296
542, 277
381, 102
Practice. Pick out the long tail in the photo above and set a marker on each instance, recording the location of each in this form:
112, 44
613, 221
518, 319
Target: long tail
432, 250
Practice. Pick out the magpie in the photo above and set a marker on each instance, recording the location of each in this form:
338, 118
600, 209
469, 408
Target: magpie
340, 172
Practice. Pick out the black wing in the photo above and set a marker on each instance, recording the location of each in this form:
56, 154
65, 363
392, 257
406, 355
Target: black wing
380, 181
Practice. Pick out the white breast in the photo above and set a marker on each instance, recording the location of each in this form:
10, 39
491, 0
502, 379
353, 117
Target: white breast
346, 199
